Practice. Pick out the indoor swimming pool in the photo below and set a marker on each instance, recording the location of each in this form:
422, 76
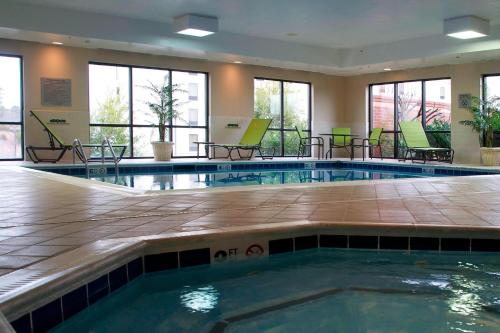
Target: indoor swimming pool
182, 176
310, 291
178, 181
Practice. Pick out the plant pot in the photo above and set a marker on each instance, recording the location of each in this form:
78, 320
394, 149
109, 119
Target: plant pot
490, 156
162, 151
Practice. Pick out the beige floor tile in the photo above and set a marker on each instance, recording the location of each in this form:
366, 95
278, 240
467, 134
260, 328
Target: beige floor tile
40, 217
4, 271
15, 262
25, 240
69, 241
4, 249
42, 250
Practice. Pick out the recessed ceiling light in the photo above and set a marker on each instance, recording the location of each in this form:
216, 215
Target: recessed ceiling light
195, 32
387, 69
469, 34
466, 27
196, 25
237, 62
57, 43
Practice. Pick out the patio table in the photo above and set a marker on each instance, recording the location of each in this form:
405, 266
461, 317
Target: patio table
342, 135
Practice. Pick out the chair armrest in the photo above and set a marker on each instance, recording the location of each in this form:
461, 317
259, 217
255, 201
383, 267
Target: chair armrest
355, 142
354, 139
332, 139
320, 139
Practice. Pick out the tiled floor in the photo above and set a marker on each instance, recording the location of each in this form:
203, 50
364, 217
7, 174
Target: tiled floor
41, 217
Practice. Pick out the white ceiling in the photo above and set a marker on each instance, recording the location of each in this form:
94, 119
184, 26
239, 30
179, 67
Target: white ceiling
328, 23
332, 36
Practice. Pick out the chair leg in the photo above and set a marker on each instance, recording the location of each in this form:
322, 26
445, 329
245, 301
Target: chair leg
261, 155
229, 154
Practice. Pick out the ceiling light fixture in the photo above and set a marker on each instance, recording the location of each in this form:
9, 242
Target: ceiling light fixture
196, 25
57, 43
237, 62
466, 27
387, 69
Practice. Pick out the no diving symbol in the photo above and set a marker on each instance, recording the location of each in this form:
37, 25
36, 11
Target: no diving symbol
220, 255
254, 250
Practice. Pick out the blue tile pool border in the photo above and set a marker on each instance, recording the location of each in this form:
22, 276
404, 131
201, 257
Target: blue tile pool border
197, 167
56, 311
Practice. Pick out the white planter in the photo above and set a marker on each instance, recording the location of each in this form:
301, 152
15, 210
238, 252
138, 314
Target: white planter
490, 156
162, 151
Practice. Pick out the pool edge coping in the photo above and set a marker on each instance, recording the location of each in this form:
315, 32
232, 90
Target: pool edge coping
94, 258
126, 191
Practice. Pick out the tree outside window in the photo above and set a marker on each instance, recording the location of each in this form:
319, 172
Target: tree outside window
11, 123
427, 101
287, 103
118, 108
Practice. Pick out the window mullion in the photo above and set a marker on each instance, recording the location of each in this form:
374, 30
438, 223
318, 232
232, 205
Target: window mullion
396, 121
282, 115
424, 111
370, 117
170, 121
130, 111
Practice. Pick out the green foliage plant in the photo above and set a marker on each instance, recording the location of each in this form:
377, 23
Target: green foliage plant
485, 119
164, 104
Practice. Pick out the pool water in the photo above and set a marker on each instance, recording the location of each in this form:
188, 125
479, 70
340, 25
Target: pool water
171, 181
311, 291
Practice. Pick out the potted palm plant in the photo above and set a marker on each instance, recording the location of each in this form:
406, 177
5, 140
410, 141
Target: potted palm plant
486, 121
164, 106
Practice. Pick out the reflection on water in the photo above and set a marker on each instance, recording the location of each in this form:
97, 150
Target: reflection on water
465, 299
467, 295
202, 299
170, 181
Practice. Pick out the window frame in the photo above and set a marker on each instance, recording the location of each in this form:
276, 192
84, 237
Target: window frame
21, 106
170, 126
483, 83
282, 129
496, 134
396, 131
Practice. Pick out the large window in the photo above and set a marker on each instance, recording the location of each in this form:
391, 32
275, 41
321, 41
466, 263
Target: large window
289, 105
491, 88
427, 101
118, 108
11, 108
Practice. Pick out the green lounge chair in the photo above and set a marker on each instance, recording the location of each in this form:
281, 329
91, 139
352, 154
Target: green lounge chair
417, 143
308, 141
372, 141
341, 138
56, 144
251, 140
